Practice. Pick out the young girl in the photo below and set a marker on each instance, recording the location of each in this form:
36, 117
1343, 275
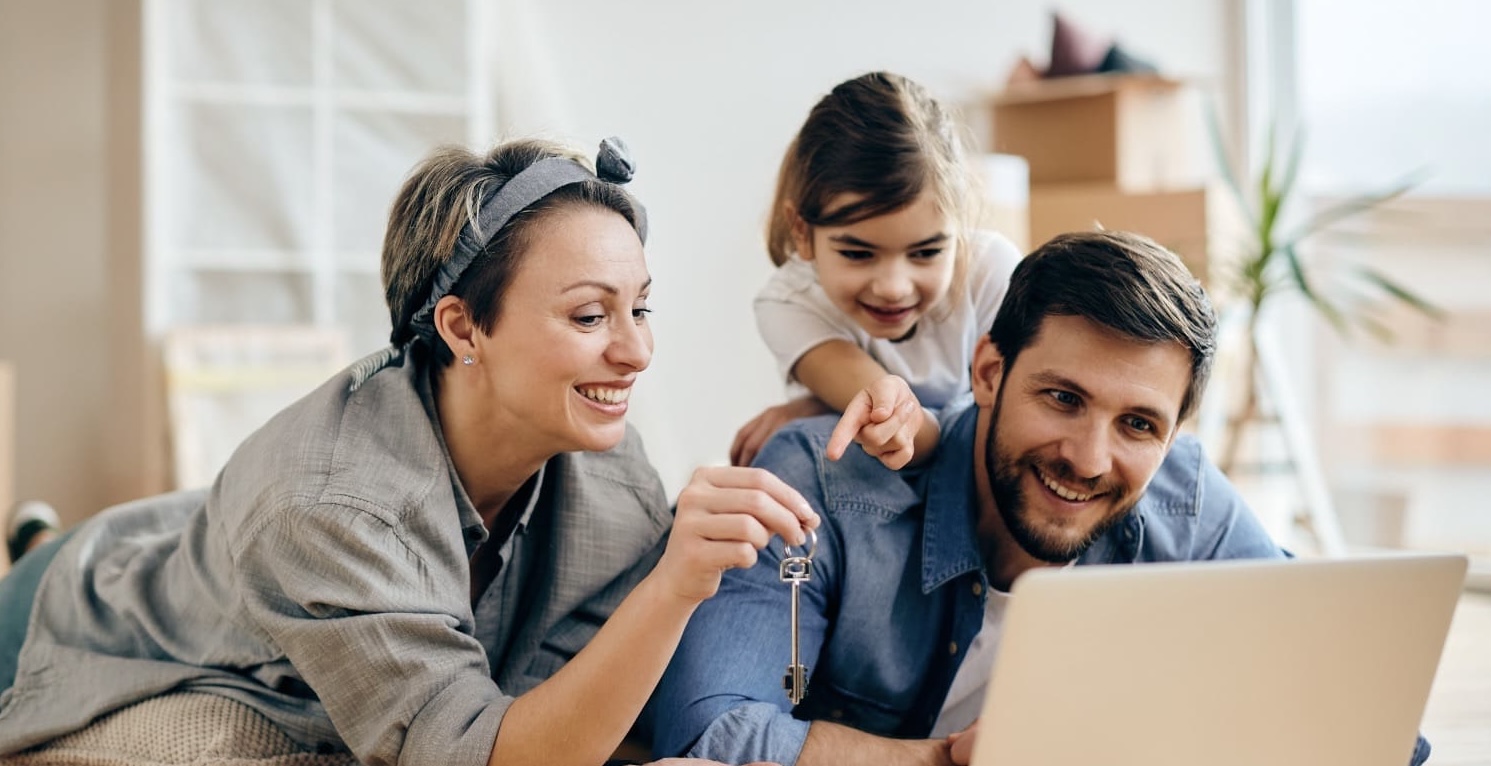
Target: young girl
883, 286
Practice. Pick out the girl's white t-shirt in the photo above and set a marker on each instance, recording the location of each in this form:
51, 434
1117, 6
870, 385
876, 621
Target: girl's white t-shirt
794, 315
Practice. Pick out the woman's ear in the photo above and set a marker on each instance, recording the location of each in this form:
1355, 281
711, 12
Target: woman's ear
988, 372
454, 324
802, 233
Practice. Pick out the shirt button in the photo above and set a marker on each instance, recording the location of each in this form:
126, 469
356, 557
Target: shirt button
952, 648
837, 714
978, 589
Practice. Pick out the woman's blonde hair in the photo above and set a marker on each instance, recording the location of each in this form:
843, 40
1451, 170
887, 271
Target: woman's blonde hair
441, 197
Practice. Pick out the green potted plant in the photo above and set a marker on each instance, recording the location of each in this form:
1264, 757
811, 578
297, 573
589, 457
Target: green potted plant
1272, 263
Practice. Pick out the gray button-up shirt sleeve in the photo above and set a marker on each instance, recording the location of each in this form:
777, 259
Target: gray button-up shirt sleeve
365, 616
325, 581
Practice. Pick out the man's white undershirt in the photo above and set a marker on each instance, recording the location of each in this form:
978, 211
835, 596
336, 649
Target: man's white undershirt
965, 698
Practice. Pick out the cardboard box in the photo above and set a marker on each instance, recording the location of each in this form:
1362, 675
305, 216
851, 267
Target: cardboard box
1179, 220
1135, 132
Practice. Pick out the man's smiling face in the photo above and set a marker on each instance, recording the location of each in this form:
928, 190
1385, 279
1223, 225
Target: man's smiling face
1072, 433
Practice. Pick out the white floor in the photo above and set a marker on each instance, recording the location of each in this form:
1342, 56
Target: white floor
1457, 721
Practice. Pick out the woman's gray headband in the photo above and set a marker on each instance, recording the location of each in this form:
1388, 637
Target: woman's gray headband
613, 164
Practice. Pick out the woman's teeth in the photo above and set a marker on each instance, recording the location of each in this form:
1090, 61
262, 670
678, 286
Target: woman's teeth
605, 395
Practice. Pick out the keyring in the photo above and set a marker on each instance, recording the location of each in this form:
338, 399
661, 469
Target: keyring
812, 546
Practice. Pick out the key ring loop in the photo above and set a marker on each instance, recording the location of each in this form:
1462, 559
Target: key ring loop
812, 546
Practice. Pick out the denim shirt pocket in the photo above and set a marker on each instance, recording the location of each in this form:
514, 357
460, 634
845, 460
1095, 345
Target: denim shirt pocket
831, 702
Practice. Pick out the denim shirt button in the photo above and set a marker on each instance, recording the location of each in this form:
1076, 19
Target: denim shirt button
837, 714
952, 648
978, 589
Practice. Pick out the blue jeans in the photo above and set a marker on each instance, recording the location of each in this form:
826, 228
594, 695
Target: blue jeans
17, 592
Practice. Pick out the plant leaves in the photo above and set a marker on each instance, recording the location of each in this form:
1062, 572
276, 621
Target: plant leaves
1316, 299
1398, 291
1272, 197
1374, 327
1350, 207
1291, 169
1224, 163
1266, 177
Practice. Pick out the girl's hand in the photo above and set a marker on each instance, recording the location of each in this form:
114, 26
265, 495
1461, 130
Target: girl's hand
753, 435
883, 418
724, 516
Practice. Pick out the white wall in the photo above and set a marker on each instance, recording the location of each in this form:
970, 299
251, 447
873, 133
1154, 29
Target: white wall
54, 321
709, 94
1425, 108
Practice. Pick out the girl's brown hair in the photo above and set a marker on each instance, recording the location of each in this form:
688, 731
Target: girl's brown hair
883, 139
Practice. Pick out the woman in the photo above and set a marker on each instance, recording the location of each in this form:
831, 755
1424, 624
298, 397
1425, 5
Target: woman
451, 552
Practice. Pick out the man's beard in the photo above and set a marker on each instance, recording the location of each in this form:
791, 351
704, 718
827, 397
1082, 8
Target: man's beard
1005, 472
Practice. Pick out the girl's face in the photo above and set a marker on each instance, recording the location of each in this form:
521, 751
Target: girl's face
571, 336
884, 272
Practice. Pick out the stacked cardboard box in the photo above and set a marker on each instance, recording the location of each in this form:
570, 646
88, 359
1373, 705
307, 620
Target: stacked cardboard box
1110, 151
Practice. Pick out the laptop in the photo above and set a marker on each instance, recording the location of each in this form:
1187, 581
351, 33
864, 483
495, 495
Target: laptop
1320, 662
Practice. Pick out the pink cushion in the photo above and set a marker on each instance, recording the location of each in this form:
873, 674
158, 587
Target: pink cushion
1075, 50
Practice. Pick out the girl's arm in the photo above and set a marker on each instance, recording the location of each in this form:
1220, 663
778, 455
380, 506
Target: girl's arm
887, 420
580, 714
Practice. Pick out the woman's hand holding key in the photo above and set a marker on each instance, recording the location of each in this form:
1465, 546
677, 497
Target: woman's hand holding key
724, 516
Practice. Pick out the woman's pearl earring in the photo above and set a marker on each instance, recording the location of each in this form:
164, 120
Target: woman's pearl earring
468, 360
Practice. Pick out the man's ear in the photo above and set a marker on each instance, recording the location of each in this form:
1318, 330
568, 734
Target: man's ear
988, 369
454, 324
802, 233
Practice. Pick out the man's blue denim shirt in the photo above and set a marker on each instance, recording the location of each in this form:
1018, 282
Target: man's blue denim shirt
896, 596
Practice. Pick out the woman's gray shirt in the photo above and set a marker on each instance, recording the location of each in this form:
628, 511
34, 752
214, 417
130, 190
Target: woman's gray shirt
325, 581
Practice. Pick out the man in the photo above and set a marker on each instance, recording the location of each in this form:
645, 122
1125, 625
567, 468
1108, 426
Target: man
1069, 454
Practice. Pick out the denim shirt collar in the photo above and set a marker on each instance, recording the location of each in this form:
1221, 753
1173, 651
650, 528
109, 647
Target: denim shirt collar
950, 540
950, 526
1121, 544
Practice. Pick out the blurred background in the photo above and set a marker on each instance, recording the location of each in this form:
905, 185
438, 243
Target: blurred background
192, 195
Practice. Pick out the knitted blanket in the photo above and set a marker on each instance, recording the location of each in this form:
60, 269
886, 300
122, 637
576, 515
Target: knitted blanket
176, 730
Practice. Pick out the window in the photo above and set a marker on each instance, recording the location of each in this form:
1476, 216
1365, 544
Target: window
1386, 89
278, 132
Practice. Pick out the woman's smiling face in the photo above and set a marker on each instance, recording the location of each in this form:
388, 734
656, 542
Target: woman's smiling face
572, 333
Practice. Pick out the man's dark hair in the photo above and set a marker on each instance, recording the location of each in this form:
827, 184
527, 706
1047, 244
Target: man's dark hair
1122, 281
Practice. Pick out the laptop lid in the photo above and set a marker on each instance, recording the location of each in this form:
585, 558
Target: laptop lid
1321, 662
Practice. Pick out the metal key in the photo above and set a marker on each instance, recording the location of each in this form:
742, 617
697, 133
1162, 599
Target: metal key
796, 570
